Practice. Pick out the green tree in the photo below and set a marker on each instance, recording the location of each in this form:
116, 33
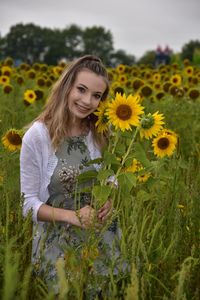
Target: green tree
148, 58
99, 42
121, 57
55, 47
25, 42
73, 40
188, 50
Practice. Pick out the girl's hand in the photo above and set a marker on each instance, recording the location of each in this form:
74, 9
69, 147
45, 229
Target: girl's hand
84, 217
105, 211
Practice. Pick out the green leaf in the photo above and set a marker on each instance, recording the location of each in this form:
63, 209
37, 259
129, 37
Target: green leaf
127, 180
110, 158
104, 174
120, 149
140, 155
94, 161
86, 176
101, 193
143, 196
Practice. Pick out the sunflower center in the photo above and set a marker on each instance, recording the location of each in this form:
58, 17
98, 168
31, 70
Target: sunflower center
124, 112
163, 143
14, 139
147, 122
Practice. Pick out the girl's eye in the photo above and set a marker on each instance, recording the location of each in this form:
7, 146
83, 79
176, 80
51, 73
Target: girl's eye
97, 96
81, 89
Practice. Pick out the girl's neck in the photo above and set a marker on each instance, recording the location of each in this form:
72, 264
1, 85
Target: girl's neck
77, 127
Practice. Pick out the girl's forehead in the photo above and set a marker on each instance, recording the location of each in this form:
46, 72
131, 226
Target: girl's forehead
91, 80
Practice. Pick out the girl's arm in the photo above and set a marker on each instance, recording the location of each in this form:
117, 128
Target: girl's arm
81, 218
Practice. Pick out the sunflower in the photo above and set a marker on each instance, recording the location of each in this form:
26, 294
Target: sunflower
156, 77
193, 93
57, 71
151, 125
134, 167
29, 96
137, 83
159, 95
36, 67
125, 112
39, 94
12, 139
102, 122
19, 80
31, 74
189, 70
8, 61
119, 90
5, 70
165, 143
41, 82
146, 90
166, 86
4, 79
7, 88
176, 80
143, 177
120, 68
122, 78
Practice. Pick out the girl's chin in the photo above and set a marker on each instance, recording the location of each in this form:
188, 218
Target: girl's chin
79, 116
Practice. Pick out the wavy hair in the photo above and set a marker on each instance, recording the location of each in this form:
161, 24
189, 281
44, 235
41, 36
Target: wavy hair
56, 114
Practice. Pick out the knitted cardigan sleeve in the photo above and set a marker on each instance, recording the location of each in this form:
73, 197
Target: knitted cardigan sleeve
30, 172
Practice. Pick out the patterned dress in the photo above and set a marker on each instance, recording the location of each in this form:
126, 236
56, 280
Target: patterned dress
56, 239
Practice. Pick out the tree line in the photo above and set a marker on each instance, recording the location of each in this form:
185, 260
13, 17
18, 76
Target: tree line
29, 42
32, 43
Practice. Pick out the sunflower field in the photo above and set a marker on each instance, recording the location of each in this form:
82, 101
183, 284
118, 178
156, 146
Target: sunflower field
153, 115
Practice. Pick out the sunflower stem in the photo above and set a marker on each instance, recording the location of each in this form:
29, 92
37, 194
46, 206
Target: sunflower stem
129, 148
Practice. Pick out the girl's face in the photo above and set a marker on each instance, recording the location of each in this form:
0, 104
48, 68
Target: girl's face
85, 94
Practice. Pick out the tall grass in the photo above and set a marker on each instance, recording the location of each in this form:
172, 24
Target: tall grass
159, 221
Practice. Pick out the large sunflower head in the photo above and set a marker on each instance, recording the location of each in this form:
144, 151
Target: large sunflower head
151, 124
12, 139
165, 143
124, 112
102, 122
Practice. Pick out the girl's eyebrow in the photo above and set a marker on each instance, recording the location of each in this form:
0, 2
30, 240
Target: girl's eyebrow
87, 88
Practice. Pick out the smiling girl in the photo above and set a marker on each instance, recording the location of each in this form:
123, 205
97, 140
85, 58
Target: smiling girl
55, 150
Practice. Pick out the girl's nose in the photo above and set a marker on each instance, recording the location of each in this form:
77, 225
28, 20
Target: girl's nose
87, 98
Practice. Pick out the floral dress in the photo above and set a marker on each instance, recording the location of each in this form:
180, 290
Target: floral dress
56, 239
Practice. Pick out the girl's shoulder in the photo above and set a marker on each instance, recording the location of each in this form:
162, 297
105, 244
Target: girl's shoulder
37, 131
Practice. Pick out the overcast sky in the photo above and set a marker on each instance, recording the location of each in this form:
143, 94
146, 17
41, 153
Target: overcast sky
136, 25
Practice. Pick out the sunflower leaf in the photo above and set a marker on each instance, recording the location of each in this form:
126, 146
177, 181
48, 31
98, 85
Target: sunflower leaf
101, 193
110, 158
140, 155
104, 174
86, 176
127, 180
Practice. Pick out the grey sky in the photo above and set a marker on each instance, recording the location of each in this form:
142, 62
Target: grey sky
136, 25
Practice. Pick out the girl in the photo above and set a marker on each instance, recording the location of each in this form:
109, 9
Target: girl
55, 150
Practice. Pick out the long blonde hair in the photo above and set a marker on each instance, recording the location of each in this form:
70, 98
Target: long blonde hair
56, 114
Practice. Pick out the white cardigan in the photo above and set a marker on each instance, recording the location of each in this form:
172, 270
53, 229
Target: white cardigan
37, 164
